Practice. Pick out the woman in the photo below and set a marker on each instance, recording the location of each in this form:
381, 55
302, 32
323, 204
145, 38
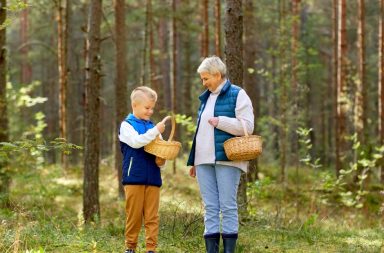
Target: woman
222, 107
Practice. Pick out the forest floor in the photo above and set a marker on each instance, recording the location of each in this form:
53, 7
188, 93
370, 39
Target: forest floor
46, 216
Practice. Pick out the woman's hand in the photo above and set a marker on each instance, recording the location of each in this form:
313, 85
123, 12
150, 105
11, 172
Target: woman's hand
214, 121
192, 171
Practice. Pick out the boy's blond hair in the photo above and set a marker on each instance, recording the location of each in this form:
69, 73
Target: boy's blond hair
138, 94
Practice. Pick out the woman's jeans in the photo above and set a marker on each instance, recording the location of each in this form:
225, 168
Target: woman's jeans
218, 187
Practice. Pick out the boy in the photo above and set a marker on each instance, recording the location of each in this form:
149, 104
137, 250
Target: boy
141, 173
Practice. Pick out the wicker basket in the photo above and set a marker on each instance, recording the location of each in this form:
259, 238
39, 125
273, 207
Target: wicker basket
243, 148
164, 149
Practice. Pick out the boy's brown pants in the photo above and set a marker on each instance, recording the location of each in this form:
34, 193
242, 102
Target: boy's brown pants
141, 202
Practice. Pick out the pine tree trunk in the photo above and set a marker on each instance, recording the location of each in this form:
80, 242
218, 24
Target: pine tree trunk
234, 62
26, 69
152, 65
163, 34
121, 105
91, 204
218, 28
62, 49
233, 41
334, 77
173, 62
144, 50
360, 107
294, 82
381, 82
5, 179
283, 100
341, 87
75, 91
250, 78
205, 34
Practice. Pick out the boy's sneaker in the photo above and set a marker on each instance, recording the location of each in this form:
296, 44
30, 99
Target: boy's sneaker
129, 251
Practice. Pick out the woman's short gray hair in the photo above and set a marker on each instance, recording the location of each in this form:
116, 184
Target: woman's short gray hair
212, 65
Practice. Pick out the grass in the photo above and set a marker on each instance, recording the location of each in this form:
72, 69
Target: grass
46, 216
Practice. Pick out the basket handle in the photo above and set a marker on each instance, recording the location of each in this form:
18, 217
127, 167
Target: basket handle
245, 130
173, 126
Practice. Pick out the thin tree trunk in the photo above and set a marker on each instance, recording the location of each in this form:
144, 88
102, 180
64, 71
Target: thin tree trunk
205, 34
360, 107
62, 29
284, 90
173, 63
381, 82
5, 179
91, 204
121, 105
250, 78
360, 97
294, 82
26, 69
145, 43
164, 40
341, 86
334, 77
152, 65
218, 28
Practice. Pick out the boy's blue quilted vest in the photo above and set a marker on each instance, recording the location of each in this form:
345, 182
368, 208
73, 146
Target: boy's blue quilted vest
225, 106
139, 167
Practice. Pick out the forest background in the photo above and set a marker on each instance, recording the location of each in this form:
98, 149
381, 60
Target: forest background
313, 69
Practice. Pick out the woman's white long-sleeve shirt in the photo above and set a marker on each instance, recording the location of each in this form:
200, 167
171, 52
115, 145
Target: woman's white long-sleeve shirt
205, 138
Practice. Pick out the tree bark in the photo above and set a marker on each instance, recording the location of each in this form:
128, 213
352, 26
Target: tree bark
173, 63
121, 105
294, 82
26, 69
218, 28
381, 82
233, 41
341, 86
164, 40
360, 104
333, 142
62, 49
91, 204
5, 179
205, 34
152, 64
250, 78
283, 99
234, 62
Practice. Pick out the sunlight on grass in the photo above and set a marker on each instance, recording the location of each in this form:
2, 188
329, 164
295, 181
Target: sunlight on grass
46, 216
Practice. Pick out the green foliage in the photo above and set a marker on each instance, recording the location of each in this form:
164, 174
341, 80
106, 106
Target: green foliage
21, 102
188, 124
306, 148
350, 188
255, 191
25, 155
13, 8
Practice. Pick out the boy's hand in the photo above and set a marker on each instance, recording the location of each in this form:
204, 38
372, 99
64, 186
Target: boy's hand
159, 161
192, 171
161, 125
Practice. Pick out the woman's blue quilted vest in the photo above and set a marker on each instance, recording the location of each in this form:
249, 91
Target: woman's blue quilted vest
225, 106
